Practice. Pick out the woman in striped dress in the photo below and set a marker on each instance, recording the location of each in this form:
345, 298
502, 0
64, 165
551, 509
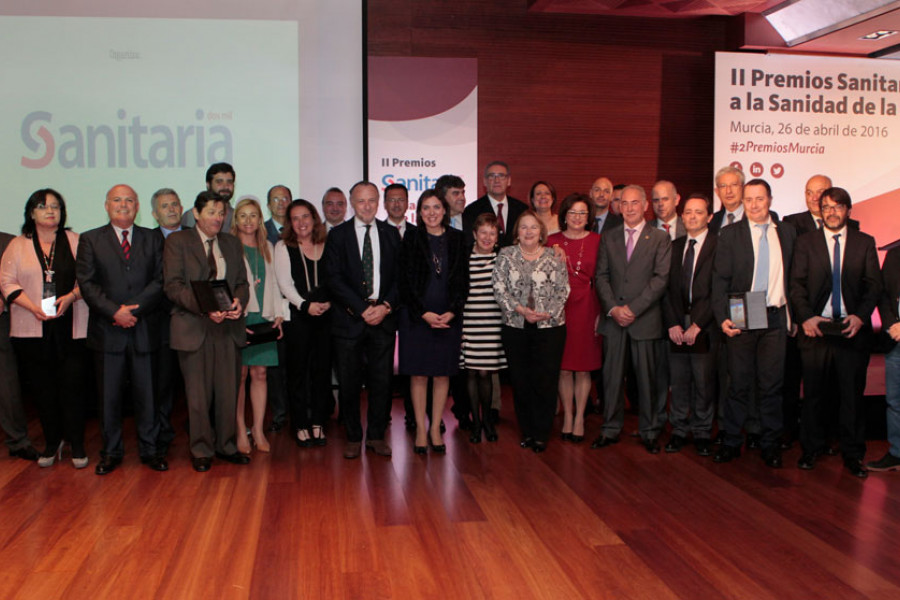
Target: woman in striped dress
482, 349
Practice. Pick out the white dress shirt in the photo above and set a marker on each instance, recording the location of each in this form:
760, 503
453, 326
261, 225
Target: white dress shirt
376, 252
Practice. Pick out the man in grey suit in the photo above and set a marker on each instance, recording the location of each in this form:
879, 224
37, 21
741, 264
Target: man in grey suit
208, 344
631, 278
12, 414
119, 271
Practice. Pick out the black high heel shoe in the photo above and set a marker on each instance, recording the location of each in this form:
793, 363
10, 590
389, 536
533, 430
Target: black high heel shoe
437, 448
475, 436
420, 449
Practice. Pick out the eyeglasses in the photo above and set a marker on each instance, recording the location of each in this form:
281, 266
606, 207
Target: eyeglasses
729, 186
496, 176
833, 208
398, 200
578, 213
43, 206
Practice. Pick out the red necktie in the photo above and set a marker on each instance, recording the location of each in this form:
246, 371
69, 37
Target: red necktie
501, 227
126, 247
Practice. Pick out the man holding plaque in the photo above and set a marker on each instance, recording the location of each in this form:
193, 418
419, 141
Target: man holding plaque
198, 264
119, 271
835, 286
751, 272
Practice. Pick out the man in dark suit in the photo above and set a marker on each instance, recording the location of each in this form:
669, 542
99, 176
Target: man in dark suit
119, 272
208, 344
396, 203
167, 210
889, 309
631, 278
361, 261
665, 201
803, 222
688, 317
729, 190
12, 413
754, 256
835, 285
507, 209
601, 194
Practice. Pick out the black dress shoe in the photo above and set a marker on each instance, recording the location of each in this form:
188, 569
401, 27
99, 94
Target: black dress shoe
602, 441
772, 458
652, 445
157, 463
538, 447
703, 447
720, 438
237, 458
25, 453
526, 442
676, 443
888, 462
831, 451
787, 442
754, 441
202, 464
856, 468
807, 461
107, 465
726, 454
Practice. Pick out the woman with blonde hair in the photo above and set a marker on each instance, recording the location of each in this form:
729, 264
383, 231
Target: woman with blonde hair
266, 305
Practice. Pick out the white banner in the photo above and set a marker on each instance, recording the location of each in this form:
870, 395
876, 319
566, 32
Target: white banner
786, 118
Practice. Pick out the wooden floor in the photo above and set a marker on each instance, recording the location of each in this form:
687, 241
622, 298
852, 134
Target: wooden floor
485, 521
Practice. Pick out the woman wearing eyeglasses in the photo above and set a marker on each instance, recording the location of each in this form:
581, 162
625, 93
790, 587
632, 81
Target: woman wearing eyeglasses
583, 350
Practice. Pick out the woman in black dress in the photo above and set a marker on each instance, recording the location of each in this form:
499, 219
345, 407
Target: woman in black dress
298, 269
434, 282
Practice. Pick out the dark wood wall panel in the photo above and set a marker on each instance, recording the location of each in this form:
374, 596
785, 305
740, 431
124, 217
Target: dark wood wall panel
569, 98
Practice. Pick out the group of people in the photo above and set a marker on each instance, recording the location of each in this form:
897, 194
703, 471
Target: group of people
689, 316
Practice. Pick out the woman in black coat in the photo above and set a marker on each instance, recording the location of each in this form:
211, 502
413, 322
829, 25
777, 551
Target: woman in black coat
434, 281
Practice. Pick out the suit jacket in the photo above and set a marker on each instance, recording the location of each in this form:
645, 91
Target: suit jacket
680, 231
611, 220
890, 296
272, 233
804, 222
715, 224
108, 281
343, 263
700, 309
733, 266
640, 283
514, 208
811, 275
184, 260
416, 266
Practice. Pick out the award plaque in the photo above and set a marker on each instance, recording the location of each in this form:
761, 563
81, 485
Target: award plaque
833, 327
213, 296
748, 311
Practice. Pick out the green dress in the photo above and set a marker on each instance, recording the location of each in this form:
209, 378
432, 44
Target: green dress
263, 355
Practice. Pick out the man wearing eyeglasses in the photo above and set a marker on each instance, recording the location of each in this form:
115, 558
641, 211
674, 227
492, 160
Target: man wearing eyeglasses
507, 209
730, 192
279, 198
835, 285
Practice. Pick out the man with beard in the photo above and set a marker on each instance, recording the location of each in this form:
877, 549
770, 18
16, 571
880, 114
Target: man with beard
835, 285
219, 180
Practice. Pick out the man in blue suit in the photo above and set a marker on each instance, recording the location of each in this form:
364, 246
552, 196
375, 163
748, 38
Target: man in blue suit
361, 263
119, 271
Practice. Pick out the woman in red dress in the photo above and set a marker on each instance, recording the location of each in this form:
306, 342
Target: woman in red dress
583, 351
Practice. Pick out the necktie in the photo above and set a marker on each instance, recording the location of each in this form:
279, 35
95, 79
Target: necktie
126, 247
368, 264
598, 224
730, 218
211, 260
761, 281
687, 272
629, 244
666, 227
818, 223
836, 279
501, 226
